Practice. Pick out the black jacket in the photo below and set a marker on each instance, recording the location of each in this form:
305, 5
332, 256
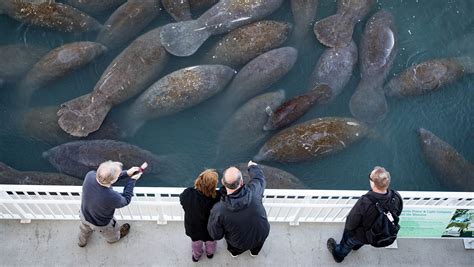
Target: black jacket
197, 208
363, 214
240, 217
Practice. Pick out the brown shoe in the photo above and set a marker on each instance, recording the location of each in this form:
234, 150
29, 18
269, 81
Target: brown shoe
124, 229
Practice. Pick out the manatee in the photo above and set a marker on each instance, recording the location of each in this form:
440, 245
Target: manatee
460, 46
94, 6
243, 132
49, 14
275, 178
177, 91
198, 4
378, 48
336, 30
41, 123
334, 68
295, 108
311, 139
258, 75
127, 22
56, 64
247, 42
304, 14
179, 10
8, 175
20, 59
428, 76
452, 169
184, 38
79, 157
129, 73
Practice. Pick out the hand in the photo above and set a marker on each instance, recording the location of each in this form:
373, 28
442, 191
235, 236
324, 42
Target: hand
137, 176
133, 170
251, 163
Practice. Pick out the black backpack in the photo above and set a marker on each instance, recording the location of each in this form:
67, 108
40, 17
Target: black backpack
385, 228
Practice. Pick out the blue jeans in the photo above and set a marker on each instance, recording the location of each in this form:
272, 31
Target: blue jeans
348, 243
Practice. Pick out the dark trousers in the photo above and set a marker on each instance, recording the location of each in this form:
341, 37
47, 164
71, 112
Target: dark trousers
347, 244
237, 251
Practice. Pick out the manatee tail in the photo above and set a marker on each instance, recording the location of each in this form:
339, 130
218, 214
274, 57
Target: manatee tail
468, 63
82, 116
334, 31
183, 38
368, 104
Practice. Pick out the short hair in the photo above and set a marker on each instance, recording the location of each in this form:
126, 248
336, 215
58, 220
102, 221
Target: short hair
380, 177
237, 179
206, 183
108, 171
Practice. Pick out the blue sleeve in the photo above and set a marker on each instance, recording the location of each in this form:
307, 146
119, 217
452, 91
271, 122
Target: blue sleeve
214, 225
257, 179
123, 174
125, 198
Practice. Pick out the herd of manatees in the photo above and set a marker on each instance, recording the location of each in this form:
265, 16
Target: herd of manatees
246, 61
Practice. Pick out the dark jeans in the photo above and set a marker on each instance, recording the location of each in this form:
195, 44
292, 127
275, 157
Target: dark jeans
348, 243
237, 251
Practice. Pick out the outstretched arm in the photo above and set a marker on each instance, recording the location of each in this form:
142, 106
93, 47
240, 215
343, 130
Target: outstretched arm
257, 178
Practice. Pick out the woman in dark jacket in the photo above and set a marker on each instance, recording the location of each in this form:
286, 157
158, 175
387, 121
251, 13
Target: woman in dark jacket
197, 203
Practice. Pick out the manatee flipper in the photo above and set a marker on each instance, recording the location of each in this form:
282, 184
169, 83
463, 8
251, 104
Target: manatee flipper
334, 31
183, 38
82, 116
368, 104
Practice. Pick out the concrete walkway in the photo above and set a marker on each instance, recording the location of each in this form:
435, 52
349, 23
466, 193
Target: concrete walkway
54, 243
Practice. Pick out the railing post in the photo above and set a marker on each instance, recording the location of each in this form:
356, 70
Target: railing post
161, 212
24, 218
468, 243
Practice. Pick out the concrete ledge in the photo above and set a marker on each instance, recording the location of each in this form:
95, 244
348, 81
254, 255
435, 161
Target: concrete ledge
54, 243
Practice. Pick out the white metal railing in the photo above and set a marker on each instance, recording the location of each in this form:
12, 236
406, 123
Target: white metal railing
36, 202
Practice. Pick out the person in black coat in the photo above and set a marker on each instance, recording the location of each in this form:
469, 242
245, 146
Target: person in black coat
240, 216
197, 202
364, 213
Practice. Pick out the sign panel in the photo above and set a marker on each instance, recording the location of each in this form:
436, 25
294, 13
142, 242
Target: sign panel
424, 222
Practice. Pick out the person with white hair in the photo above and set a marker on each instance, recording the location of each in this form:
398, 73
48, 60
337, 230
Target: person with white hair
378, 204
99, 201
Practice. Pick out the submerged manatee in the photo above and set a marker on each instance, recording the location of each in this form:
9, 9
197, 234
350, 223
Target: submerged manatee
336, 30
429, 76
56, 64
129, 73
243, 132
19, 58
295, 108
41, 123
452, 169
179, 10
247, 42
49, 14
8, 175
184, 38
334, 68
94, 6
79, 157
378, 48
304, 14
127, 22
258, 75
177, 91
275, 178
311, 139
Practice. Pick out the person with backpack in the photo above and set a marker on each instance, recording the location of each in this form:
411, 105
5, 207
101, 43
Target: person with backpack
373, 219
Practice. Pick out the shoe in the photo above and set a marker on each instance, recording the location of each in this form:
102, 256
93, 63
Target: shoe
210, 256
124, 229
331, 244
81, 244
233, 256
194, 260
355, 248
253, 255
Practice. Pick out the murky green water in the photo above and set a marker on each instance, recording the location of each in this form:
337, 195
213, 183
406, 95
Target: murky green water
424, 27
